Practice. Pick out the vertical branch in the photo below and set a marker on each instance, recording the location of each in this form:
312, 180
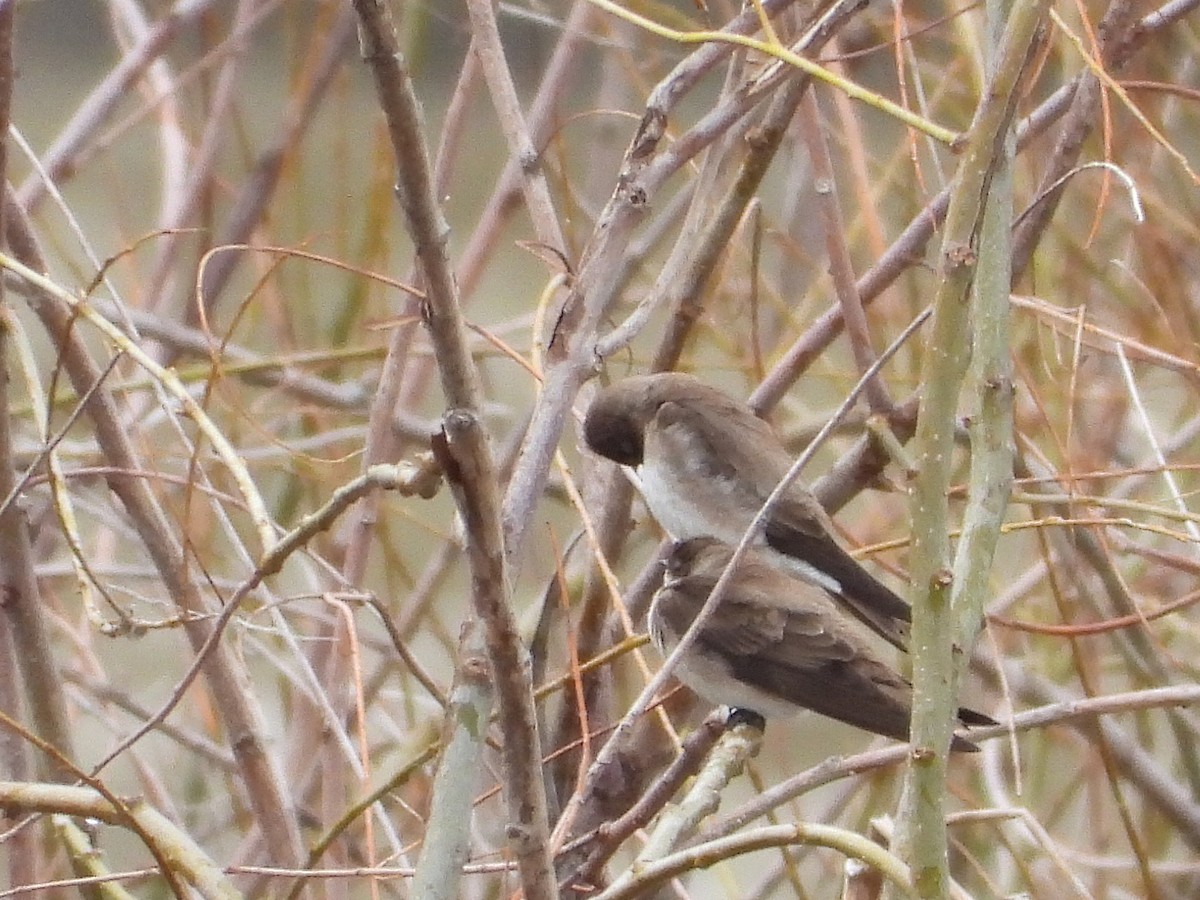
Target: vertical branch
19, 596
840, 267
426, 224
330, 47
447, 838
922, 822
464, 452
191, 197
26, 658
490, 51
989, 384
21, 623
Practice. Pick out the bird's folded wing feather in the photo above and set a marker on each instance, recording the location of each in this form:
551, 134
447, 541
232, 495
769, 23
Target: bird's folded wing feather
757, 625
807, 659
790, 530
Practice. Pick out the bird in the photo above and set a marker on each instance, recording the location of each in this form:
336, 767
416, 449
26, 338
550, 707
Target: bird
707, 464
776, 644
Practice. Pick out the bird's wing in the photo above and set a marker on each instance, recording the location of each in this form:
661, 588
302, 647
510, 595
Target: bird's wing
758, 623
797, 528
706, 431
809, 658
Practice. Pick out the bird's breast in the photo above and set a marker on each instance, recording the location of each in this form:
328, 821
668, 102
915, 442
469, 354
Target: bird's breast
687, 504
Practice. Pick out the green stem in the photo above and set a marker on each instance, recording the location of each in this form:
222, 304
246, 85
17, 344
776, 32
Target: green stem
945, 591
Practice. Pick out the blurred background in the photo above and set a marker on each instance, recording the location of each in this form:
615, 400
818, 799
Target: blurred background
223, 192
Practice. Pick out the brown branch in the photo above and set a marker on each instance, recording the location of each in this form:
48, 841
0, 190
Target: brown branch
602, 842
225, 674
1084, 715
259, 186
840, 267
465, 453
487, 46
908, 249
22, 619
203, 165
465, 457
1111, 33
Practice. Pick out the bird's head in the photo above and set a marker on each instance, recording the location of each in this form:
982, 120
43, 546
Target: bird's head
615, 424
614, 428
699, 555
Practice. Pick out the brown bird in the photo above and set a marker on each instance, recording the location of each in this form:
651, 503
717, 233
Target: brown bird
775, 645
707, 464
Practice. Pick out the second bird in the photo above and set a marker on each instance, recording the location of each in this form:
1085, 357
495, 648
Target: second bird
776, 645
707, 464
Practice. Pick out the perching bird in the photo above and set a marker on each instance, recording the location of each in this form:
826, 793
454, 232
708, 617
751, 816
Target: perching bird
707, 464
775, 645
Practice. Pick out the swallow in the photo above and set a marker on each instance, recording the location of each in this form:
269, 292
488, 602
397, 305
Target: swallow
775, 645
707, 464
